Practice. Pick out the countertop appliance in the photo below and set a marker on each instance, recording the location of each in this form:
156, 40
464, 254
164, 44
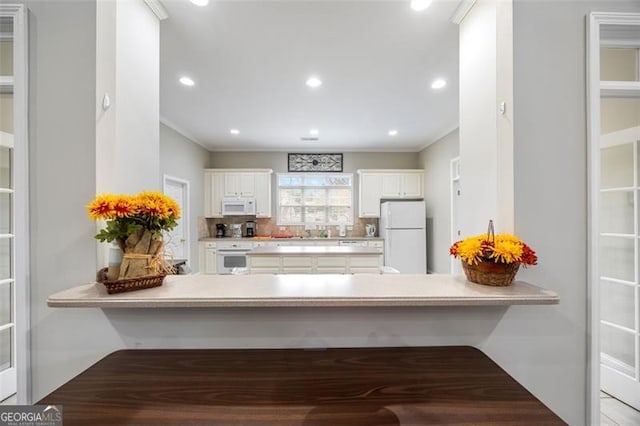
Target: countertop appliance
236, 230
370, 230
402, 225
221, 229
238, 207
232, 255
250, 229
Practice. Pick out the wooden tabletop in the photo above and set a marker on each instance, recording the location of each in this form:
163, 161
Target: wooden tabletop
363, 386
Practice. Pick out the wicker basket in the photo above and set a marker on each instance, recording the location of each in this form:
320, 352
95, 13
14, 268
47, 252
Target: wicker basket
129, 284
489, 273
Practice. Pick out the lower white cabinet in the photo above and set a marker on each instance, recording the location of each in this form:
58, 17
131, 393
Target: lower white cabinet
208, 257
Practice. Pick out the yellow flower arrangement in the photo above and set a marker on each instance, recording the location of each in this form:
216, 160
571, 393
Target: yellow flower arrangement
128, 214
504, 248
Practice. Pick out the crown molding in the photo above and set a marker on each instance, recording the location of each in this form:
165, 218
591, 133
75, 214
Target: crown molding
158, 9
461, 11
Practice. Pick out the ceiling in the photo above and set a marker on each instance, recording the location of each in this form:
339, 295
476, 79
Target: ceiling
250, 61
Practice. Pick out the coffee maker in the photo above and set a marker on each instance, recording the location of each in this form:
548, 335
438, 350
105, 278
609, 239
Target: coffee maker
221, 229
250, 227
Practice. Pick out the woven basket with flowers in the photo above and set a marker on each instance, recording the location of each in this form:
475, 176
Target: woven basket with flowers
135, 223
491, 259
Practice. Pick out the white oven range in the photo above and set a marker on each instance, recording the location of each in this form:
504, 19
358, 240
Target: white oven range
232, 254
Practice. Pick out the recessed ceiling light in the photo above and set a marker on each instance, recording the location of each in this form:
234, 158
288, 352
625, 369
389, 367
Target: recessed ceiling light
186, 81
438, 84
419, 5
200, 2
314, 82
314, 132
393, 132
234, 131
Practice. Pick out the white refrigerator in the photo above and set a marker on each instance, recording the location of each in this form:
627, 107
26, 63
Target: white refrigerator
402, 225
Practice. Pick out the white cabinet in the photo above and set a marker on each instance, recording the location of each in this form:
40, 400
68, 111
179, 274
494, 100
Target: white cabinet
213, 193
237, 183
380, 184
208, 258
370, 195
262, 185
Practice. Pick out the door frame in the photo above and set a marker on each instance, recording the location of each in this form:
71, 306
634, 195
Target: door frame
185, 209
594, 22
454, 206
22, 350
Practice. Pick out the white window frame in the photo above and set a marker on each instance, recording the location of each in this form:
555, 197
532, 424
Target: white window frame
280, 222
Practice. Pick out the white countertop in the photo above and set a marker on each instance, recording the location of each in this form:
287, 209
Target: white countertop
314, 251
294, 239
211, 291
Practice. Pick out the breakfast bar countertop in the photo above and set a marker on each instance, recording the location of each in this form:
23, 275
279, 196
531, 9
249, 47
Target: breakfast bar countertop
357, 290
314, 251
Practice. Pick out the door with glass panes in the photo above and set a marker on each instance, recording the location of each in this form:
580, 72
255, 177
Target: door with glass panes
619, 220
7, 250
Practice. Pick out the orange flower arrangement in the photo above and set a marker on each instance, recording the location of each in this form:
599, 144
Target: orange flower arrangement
128, 214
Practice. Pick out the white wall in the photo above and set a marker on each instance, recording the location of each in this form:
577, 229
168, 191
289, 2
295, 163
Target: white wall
184, 159
478, 132
128, 59
62, 65
435, 160
545, 349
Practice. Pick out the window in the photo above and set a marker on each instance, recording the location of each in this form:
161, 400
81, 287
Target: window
315, 199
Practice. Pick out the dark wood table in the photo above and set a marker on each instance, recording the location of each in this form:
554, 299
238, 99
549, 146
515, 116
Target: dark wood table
363, 386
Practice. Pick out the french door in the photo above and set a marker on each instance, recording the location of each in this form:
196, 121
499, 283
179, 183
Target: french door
618, 213
8, 379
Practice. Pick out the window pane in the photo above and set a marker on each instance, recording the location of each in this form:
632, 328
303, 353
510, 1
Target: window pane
339, 197
616, 165
290, 180
616, 212
291, 197
6, 56
5, 303
315, 215
315, 197
5, 213
616, 260
5, 258
617, 303
618, 64
340, 215
339, 180
290, 214
5, 167
5, 348
618, 114
618, 344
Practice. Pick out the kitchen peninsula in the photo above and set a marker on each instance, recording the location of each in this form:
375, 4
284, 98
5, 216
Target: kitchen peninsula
358, 290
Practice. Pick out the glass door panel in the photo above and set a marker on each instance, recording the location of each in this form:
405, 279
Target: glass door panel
7, 249
619, 224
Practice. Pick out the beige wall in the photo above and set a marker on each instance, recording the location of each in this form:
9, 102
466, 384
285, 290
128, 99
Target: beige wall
278, 160
435, 160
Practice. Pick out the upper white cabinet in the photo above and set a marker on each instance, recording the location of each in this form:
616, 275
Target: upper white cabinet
380, 184
237, 183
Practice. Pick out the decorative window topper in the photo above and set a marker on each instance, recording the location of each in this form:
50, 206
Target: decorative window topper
315, 162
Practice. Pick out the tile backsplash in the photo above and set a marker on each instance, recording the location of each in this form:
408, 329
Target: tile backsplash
269, 226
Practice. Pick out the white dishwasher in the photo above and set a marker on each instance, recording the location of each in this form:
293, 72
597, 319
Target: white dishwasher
353, 243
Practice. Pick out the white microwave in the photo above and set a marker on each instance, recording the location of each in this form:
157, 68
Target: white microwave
238, 207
